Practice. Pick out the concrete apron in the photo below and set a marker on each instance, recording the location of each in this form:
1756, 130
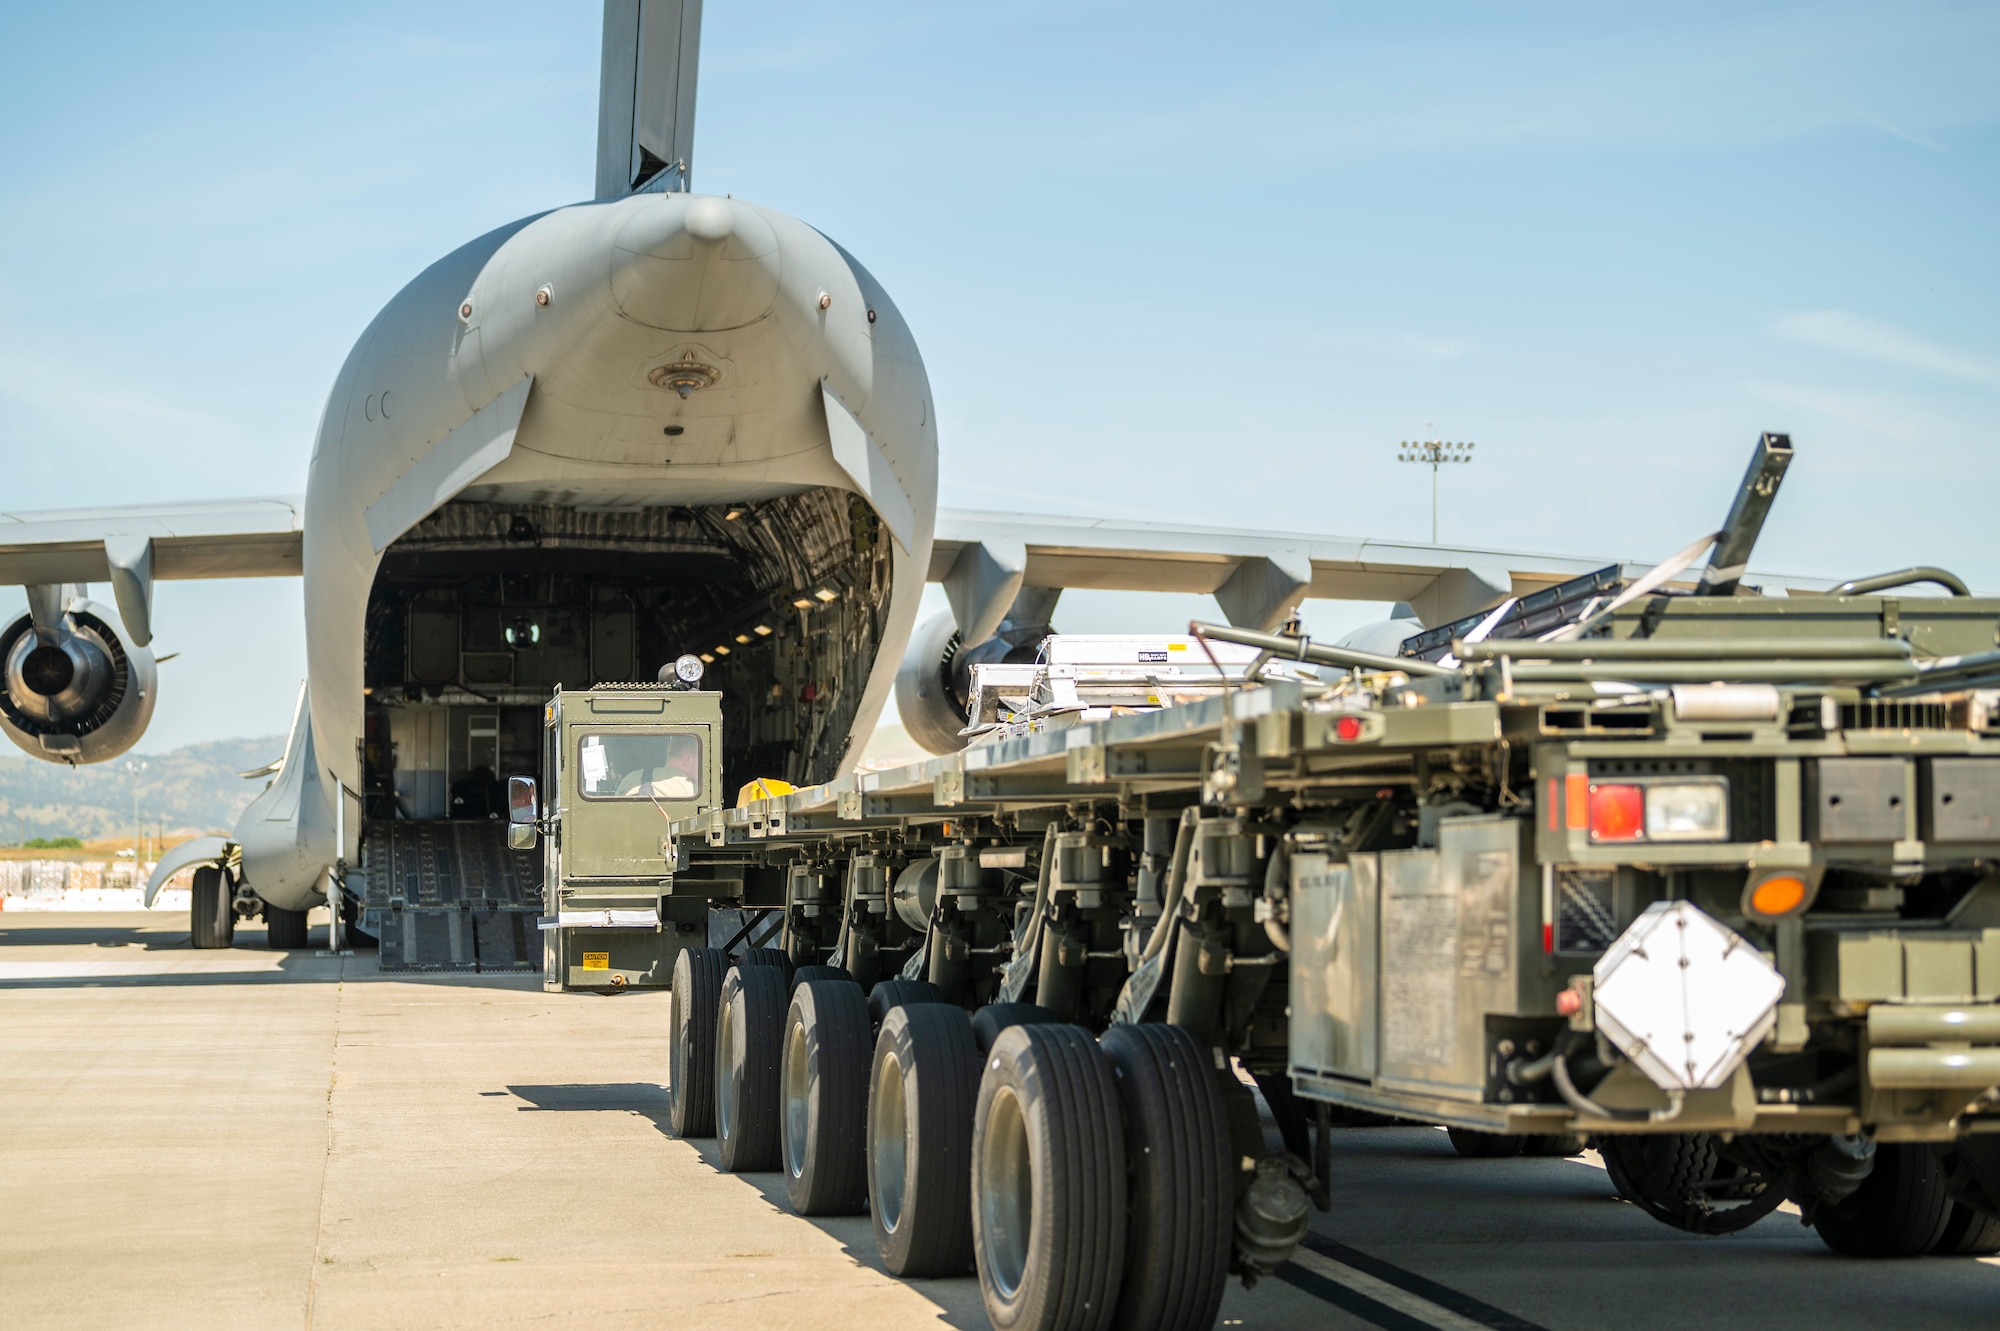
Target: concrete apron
242, 1138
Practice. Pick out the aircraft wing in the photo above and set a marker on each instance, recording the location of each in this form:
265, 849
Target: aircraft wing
219, 538
1257, 577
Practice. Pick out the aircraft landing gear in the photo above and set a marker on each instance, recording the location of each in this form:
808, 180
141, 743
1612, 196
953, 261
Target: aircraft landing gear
211, 914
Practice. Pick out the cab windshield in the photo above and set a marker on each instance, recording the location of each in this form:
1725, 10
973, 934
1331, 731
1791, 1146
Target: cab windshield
639, 767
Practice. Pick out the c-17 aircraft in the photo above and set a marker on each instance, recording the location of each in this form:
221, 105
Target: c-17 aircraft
652, 423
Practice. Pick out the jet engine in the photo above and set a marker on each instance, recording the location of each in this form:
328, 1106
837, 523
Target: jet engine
934, 683
74, 691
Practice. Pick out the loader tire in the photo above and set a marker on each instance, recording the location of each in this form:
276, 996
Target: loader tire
1049, 1186
1900, 1210
988, 1022
889, 995
923, 1081
1476, 1145
284, 930
808, 974
1969, 1232
1179, 1224
749, 1041
768, 956
691, 1016
1554, 1145
211, 914
1684, 1180
824, 1081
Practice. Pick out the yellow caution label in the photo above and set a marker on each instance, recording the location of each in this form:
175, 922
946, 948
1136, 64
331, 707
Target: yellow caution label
597, 961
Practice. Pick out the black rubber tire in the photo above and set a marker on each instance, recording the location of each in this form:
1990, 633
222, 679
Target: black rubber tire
1179, 1218
1900, 1210
922, 1082
823, 1090
1554, 1145
211, 916
749, 1040
809, 974
284, 930
891, 994
1048, 1126
988, 1022
1476, 1145
1678, 1178
1968, 1232
692, 1008
768, 956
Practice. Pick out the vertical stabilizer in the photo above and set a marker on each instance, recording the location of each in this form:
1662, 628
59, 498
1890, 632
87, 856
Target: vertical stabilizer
645, 99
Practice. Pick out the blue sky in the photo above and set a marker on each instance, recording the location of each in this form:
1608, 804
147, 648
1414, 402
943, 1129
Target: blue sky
1171, 261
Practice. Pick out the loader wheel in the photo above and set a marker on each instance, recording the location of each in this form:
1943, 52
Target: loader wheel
1476, 1145
808, 974
825, 1083
691, 1019
922, 1084
891, 994
1900, 1210
988, 1022
749, 1041
1554, 1145
1178, 1220
1683, 1179
1048, 1182
1968, 1232
211, 916
768, 956
284, 930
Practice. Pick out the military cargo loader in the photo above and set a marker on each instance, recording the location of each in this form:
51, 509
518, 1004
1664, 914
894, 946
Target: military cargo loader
1707, 876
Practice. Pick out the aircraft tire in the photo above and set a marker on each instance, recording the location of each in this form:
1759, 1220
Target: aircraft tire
1475, 1145
824, 1084
923, 1081
808, 974
889, 995
1554, 1145
284, 930
749, 1040
990, 1021
1179, 1221
1049, 1208
1900, 1210
211, 917
691, 1019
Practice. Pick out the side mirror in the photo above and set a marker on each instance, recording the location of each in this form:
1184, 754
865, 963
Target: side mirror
522, 810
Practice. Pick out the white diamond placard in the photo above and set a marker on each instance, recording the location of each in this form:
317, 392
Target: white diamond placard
1685, 997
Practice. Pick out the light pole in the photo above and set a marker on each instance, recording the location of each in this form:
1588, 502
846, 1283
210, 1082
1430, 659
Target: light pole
135, 768
1433, 453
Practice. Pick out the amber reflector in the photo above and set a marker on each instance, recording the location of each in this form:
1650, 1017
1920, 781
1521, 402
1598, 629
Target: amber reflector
1778, 896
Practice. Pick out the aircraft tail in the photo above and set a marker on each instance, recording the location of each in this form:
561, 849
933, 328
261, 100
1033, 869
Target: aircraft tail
645, 100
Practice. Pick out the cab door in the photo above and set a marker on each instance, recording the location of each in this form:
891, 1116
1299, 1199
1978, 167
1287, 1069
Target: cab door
627, 781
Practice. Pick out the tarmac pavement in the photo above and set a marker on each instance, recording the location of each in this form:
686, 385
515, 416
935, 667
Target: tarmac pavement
244, 1138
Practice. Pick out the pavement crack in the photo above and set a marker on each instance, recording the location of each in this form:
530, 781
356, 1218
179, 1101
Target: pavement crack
326, 1160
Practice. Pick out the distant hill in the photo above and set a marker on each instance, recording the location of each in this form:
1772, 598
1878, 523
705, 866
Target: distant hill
195, 786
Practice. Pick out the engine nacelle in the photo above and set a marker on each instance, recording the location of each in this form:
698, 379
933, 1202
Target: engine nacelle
74, 692
934, 683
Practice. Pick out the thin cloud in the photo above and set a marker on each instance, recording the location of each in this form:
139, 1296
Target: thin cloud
1852, 335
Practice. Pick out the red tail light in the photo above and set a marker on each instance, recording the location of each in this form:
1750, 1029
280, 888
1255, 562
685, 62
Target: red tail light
1617, 813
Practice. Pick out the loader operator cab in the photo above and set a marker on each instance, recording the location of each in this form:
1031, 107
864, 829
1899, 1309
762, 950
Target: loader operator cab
619, 764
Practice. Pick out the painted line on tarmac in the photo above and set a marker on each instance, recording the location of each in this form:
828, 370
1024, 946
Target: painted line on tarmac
1387, 1295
